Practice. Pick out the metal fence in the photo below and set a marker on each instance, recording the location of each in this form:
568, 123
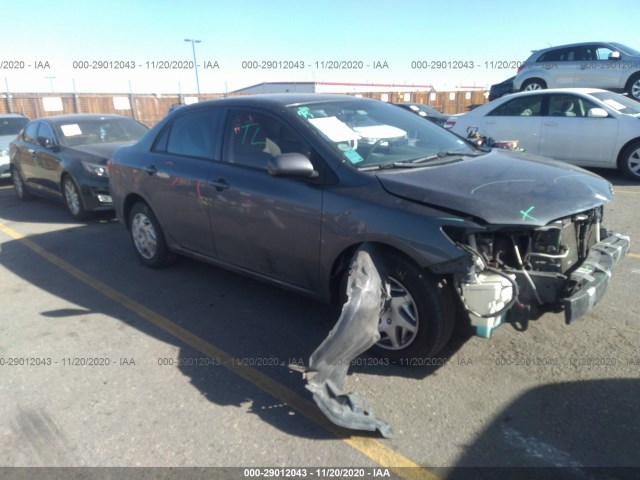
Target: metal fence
149, 109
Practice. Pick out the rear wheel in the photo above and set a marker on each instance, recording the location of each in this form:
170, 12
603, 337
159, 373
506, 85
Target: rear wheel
533, 84
147, 237
629, 161
22, 192
73, 199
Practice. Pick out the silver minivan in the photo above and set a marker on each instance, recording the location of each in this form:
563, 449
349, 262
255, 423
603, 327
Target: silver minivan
608, 65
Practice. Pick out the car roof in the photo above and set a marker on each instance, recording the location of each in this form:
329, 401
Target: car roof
12, 115
277, 99
583, 90
569, 45
77, 117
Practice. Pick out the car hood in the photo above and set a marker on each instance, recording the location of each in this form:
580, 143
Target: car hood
502, 188
99, 150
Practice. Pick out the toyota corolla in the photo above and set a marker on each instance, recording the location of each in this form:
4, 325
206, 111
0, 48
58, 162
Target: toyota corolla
286, 188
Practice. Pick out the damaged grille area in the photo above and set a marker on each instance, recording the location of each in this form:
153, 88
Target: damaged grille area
518, 275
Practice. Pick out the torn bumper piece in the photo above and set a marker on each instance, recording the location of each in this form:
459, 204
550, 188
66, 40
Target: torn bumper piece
594, 274
355, 331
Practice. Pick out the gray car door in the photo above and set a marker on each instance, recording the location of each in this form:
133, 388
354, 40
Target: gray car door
176, 181
265, 224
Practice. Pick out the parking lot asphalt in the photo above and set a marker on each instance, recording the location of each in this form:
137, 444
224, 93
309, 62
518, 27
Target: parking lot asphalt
107, 363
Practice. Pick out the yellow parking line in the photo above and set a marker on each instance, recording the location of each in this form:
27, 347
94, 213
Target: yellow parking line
374, 449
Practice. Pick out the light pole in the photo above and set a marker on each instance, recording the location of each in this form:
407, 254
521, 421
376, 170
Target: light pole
195, 62
50, 82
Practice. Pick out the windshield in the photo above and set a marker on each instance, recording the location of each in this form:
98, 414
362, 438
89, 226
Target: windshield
370, 133
12, 125
625, 49
619, 103
99, 130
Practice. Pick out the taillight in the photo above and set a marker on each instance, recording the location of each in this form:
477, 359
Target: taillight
109, 166
520, 68
449, 124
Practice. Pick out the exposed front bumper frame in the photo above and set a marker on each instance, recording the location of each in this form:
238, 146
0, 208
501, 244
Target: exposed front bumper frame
594, 274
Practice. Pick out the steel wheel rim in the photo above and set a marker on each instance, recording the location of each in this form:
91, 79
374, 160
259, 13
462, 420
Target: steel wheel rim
399, 322
17, 183
144, 236
633, 162
72, 197
533, 86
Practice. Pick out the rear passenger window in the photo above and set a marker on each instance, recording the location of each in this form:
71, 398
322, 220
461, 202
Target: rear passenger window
530, 105
193, 134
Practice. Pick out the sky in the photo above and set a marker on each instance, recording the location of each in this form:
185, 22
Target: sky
138, 46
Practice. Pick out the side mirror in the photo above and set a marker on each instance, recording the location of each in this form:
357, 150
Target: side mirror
614, 56
45, 142
597, 113
291, 165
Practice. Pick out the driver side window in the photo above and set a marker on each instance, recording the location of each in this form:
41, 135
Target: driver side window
31, 132
252, 138
47, 132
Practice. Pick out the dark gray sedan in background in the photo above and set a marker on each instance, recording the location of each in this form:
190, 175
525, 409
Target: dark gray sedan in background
64, 157
285, 188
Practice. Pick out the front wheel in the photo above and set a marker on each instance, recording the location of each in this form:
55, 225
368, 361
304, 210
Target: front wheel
419, 318
633, 87
629, 161
533, 84
73, 199
22, 192
147, 237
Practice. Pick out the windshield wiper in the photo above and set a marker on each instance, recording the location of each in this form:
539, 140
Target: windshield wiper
446, 153
417, 163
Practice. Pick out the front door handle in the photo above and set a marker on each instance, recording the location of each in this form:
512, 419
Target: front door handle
151, 170
31, 152
220, 184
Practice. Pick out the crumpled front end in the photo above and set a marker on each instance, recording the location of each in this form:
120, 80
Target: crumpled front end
515, 274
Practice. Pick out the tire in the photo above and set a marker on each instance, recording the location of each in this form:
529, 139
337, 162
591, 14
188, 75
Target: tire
633, 87
629, 161
73, 199
147, 237
420, 316
22, 191
533, 84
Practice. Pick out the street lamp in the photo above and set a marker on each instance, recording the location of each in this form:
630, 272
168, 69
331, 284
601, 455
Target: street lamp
50, 82
195, 63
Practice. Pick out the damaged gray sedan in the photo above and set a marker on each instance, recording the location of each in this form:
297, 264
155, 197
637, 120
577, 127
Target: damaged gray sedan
286, 188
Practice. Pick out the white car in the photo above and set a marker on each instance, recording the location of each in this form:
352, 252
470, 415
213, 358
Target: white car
582, 126
10, 126
607, 65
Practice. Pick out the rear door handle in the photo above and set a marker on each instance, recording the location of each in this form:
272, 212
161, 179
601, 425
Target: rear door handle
151, 170
550, 124
220, 184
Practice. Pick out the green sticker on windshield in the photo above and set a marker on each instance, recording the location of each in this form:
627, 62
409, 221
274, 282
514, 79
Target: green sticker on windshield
304, 112
353, 156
